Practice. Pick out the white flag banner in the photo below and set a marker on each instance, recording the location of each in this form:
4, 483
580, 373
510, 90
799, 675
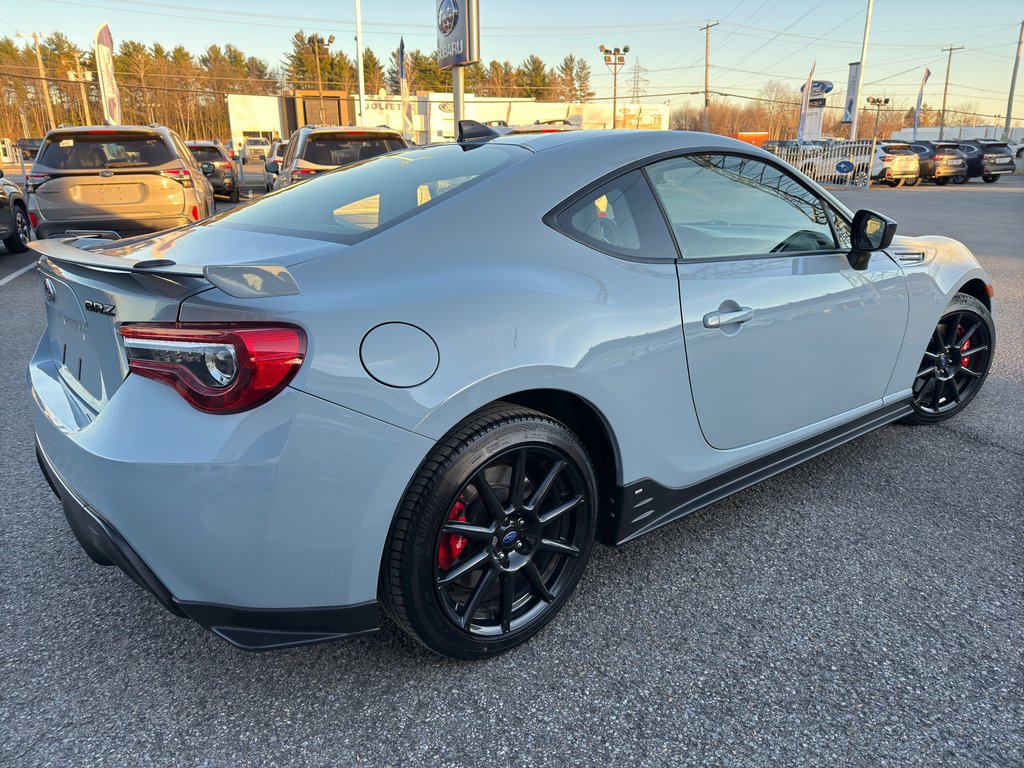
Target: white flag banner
804, 99
920, 99
105, 69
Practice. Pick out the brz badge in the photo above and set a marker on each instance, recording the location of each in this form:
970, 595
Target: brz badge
103, 309
447, 16
50, 291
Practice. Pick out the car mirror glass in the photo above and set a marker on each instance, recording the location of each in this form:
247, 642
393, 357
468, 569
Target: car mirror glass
206, 168
272, 167
871, 232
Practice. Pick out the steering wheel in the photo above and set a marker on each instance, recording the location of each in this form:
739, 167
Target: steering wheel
798, 240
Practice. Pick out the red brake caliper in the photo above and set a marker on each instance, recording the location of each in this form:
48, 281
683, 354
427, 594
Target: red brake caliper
451, 543
964, 361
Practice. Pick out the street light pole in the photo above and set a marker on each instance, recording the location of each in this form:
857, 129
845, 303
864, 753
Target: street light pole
359, 59
878, 103
615, 59
42, 75
315, 41
1013, 84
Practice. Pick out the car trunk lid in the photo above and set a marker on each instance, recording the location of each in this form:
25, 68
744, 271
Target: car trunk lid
92, 291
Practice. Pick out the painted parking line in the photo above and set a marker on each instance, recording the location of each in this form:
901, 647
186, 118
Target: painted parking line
19, 273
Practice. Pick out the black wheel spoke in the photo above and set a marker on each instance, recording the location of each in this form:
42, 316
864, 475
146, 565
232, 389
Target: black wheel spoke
480, 591
560, 510
925, 371
969, 372
558, 547
974, 350
536, 582
542, 490
923, 392
487, 495
937, 396
476, 561
475, 532
967, 335
952, 323
517, 485
937, 338
508, 596
955, 389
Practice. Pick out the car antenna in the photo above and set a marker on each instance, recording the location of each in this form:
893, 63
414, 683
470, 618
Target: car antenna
471, 130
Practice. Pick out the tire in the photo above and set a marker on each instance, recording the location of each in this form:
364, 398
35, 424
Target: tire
943, 181
892, 183
18, 241
233, 196
990, 179
912, 182
483, 593
948, 379
960, 179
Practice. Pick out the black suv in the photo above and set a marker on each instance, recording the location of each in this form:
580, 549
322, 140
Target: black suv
223, 176
15, 229
988, 159
940, 162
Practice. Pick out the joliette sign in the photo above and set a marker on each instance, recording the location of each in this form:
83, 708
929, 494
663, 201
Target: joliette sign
458, 33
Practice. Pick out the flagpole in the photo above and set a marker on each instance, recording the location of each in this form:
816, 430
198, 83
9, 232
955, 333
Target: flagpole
359, 59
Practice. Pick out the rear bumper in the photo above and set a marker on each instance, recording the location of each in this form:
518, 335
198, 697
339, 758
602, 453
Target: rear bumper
124, 227
251, 629
945, 171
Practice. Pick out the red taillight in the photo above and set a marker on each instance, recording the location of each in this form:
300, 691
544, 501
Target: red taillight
217, 368
32, 218
886, 158
195, 213
33, 180
299, 173
223, 165
181, 175
102, 130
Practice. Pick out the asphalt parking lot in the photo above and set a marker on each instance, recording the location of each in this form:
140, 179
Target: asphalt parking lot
863, 609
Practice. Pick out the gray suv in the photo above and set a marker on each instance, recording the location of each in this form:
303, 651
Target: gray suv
316, 148
128, 179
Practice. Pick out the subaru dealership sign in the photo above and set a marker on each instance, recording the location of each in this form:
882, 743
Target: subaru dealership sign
458, 33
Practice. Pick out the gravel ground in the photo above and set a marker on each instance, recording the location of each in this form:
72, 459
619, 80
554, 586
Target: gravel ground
862, 609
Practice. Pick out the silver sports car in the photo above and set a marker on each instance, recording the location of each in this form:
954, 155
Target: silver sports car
429, 382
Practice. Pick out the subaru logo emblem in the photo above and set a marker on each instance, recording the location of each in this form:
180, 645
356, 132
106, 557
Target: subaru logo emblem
106, 174
50, 291
509, 538
447, 16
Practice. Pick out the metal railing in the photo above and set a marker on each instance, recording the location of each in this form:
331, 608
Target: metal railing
836, 163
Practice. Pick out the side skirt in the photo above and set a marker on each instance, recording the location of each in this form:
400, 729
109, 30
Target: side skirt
646, 505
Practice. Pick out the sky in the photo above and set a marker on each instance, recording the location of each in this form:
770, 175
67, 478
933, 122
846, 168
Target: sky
755, 41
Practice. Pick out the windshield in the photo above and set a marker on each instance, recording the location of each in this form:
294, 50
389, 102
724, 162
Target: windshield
345, 148
356, 202
104, 149
206, 154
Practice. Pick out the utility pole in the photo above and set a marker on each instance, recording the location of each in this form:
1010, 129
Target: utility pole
615, 59
359, 59
1013, 84
945, 89
80, 76
860, 71
707, 72
639, 81
42, 74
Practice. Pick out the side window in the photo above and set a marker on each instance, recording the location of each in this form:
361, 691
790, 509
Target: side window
724, 206
621, 218
290, 153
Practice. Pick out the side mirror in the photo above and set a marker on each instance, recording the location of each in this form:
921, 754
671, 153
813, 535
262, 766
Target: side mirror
273, 167
1, 173
870, 232
206, 168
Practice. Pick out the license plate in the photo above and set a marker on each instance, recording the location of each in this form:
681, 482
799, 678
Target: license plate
1002, 159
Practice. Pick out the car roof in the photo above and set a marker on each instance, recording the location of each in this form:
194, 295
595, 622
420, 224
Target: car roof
643, 141
161, 129
203, 143
349, 129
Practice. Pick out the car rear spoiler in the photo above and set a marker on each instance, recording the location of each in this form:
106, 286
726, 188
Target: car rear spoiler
243, 281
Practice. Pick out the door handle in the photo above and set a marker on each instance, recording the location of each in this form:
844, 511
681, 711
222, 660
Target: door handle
720, 319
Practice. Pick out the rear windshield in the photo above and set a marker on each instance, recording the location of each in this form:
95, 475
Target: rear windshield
948, 150
345, 148
113, 149
356, 202
282, 148
996, 148
897, 149
207, 154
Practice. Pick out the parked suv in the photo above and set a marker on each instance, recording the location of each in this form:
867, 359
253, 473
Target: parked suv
129, 179
15, 230
223, 177
313, 149
988, 159
277, 153
255, 148
940, 162
895, 163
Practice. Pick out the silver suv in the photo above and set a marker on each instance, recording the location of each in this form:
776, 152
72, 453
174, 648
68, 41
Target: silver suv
128, 179
316, 148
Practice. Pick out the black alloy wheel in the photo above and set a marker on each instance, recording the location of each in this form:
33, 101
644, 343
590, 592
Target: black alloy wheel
18, 241
956, 361
942, 180
989, 179
493, 536
960, 178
